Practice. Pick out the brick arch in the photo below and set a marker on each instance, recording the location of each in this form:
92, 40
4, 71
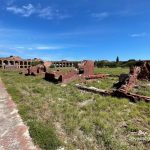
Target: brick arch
11, 62
5, 62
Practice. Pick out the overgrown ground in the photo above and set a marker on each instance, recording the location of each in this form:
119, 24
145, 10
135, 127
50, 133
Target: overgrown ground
62, 116
143, 88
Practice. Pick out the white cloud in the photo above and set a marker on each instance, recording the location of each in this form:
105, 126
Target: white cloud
136, 35
46, 13
101, 15
48, 47
32, 47
26, 10
42, 12
122, 13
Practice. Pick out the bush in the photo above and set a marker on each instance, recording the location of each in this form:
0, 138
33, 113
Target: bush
34, 63
52, 66
112, 64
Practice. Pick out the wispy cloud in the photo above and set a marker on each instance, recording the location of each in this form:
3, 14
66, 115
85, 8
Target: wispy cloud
42, 12
136, 35
50, 13
32, 47
25, 11
121, 13
100, 16
30, 51
48, 47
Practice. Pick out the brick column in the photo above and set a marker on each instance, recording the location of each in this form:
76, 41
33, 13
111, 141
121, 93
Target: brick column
23, 63
18, 64
8, 62
3, 64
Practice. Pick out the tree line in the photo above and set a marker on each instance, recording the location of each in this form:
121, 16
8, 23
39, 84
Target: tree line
117, 63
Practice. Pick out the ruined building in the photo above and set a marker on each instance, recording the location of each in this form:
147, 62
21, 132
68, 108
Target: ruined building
15, 62
64, 63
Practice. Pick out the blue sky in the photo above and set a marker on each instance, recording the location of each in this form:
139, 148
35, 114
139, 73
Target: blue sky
75, 29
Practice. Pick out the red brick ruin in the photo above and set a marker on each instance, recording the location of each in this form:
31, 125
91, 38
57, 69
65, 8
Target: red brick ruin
126, 83
84, 70
15, 62
36, 70
141, 72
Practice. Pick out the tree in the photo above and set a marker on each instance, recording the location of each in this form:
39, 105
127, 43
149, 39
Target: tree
117, 59
52, 66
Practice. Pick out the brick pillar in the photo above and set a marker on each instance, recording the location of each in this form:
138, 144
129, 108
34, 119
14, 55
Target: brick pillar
18, 64
27, 64
3, 66
23, 63
8, 63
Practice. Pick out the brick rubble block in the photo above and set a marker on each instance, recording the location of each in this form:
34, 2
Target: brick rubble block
14, 135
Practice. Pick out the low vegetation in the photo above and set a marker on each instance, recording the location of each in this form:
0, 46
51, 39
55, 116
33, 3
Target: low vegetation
142, 88
61, 116
117, 63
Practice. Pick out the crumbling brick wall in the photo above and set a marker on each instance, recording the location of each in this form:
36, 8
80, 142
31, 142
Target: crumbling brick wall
145, 71
84, 70
86, 67
131, 80
59, 76
35, 70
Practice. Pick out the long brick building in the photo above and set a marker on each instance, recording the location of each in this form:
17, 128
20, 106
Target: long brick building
15, 62
64, 63
18, 62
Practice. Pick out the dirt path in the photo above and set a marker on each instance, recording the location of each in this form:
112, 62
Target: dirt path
14, 134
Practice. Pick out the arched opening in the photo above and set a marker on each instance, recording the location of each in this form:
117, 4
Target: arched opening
29, 63
1, 64
12, 63
6, 62
25, 63
16, 63
21, 62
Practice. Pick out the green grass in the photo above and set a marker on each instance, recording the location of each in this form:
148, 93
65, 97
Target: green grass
66, 69
108, 82
66, 117
143, 88
112, 71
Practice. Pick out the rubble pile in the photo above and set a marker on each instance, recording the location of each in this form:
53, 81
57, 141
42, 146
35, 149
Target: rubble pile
145, 71
84, 70
36, 70
130, 80
125, 84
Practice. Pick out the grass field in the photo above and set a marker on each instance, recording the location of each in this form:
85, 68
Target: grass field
62, 116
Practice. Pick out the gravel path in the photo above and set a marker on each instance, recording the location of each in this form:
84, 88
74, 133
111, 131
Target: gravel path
14, 134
